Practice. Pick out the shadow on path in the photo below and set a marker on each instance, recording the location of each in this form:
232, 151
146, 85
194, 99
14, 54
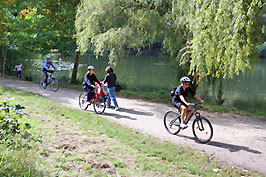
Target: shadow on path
132, 111
230, 147
118, 116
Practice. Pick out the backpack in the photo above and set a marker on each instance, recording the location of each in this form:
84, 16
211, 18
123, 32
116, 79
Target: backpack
173, 91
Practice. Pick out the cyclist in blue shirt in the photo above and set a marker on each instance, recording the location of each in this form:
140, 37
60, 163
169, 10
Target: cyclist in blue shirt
46, 69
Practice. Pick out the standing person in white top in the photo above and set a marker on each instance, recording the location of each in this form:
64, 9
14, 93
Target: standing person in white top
19, 69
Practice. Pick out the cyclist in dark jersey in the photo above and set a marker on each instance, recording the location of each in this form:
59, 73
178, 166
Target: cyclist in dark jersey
180, 102
89, 83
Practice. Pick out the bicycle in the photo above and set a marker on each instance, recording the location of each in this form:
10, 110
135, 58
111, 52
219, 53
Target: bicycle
98, 101
54, 84
201, 126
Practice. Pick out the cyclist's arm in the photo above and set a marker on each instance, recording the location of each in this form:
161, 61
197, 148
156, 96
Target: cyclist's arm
184, 100
198, 98
53, 66
105, 79
96, 80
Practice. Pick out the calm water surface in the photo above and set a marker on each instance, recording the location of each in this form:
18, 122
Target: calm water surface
153, 73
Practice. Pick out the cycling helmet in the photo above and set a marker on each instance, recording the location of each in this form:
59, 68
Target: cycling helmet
49, 57
185, 79
90, 67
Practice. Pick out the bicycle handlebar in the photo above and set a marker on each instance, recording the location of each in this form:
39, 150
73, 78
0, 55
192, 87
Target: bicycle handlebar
196, 104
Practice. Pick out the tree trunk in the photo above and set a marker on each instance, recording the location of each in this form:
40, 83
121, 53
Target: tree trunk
75, 69
220, 99
3, 59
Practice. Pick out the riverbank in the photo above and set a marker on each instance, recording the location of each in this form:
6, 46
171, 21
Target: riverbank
79, 143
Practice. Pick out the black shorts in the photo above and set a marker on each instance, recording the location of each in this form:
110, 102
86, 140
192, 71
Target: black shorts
178, 104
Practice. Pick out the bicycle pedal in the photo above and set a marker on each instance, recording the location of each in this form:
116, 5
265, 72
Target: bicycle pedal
184, 128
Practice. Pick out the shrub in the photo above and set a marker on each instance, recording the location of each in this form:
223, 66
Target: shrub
18, 158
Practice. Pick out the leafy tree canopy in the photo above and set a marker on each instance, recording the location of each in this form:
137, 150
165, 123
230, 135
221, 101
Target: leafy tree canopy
38, 25
216, 38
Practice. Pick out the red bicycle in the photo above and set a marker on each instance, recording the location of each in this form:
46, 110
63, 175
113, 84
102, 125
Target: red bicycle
98, 101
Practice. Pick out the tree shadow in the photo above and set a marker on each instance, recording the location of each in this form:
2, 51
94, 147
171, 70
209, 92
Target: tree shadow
230, 147
118, 116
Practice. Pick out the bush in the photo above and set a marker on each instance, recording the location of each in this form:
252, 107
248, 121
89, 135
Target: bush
18, 158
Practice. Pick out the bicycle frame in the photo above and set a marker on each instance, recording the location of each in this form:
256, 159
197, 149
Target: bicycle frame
197, 116
50, 78
194, 112
94, 97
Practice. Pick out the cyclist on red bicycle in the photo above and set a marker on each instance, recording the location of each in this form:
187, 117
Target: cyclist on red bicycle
89, 83
180, 102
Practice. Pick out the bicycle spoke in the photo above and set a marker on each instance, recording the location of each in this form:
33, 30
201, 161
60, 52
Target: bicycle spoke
172, 122
202, 130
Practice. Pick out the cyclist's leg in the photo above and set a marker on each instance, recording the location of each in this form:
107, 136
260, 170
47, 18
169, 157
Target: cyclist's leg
88, 92
178, 106
45, 75
183, 110
188, 114
91, 94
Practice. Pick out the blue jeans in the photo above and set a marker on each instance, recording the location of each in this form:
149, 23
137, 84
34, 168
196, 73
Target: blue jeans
90, 93
111, 96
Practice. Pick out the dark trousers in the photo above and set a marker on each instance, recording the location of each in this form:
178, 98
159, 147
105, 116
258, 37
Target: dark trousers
90, 93
19, 74
45, 71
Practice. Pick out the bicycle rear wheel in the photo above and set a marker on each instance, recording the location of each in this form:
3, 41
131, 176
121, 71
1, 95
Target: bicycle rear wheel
99, 104
54, 85
202, 130
172, 122
83, 104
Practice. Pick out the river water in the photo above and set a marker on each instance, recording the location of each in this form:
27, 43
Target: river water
155, 73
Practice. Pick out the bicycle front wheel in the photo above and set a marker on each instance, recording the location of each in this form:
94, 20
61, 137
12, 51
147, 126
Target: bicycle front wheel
99, 104
83, 104
202, 130
54, 85
172, 122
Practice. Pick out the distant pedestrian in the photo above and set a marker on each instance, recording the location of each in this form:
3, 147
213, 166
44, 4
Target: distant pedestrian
19, 70
110, 79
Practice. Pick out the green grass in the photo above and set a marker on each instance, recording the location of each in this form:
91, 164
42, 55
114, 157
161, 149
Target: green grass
131, 153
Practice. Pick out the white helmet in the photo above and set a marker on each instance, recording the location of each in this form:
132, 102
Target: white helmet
90, 67
185, 79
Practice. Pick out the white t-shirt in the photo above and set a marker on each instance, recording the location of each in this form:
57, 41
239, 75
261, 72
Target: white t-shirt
18, 67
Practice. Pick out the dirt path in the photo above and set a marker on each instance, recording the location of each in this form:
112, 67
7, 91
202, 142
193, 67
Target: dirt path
237, 140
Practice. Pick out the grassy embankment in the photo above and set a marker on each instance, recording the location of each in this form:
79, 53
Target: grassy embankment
78, 143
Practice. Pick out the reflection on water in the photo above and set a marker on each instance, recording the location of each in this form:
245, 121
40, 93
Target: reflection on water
150, 73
